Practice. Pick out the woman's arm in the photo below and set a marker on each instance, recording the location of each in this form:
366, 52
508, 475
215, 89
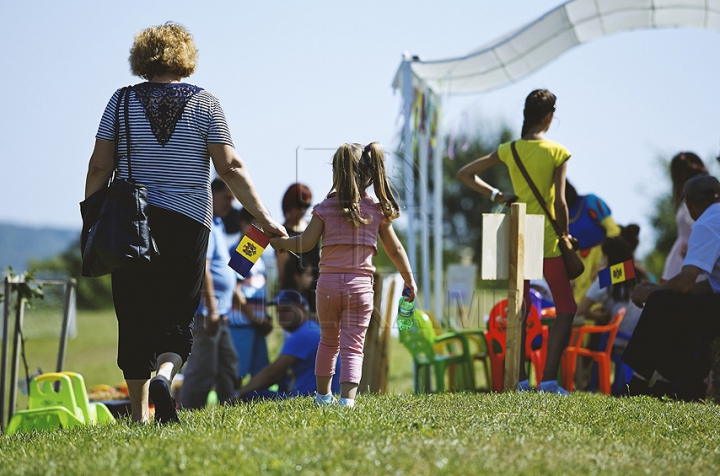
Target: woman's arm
303, 242
469, 176
234, 173
100, 167
397, 255
561, 209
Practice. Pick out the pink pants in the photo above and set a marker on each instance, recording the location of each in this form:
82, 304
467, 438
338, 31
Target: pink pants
344, 306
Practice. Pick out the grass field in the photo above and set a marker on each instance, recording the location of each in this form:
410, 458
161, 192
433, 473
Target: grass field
398, 433
449, 434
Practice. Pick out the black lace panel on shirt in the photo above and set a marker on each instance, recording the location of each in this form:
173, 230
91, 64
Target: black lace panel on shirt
164, 105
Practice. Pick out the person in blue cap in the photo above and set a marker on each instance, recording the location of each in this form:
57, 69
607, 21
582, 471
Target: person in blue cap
297, 356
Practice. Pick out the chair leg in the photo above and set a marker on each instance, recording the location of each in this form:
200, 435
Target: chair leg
570, 360
604, 374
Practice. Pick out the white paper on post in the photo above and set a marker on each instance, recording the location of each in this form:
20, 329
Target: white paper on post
496, 246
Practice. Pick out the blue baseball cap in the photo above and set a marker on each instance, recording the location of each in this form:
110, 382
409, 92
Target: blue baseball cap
289, 297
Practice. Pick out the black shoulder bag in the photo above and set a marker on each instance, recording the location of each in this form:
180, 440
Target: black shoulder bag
567, 244
116, 233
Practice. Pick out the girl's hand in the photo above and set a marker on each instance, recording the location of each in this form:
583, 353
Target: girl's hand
409, 290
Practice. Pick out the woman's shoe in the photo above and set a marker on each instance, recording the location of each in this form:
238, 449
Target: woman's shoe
159, 390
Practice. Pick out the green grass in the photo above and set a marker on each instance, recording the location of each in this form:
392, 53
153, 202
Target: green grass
450, 434
398, 433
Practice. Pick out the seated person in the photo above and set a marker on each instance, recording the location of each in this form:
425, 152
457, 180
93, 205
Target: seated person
600, 305
669, 350
297, 354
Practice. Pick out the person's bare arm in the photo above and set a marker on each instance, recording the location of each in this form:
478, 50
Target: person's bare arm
683, 282
469, 176
584, 307
100, 167
398, 256
268, 376
232, 170
303, 242
561, 209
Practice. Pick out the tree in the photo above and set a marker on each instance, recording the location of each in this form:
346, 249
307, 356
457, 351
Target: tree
462, 207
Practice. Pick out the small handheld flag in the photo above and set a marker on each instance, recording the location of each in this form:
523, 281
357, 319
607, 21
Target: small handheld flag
616, 273
248, 251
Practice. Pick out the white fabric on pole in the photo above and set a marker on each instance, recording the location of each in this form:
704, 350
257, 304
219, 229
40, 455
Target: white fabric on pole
522, 51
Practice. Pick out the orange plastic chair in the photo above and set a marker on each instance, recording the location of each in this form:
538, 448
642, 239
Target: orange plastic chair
495, 336
602, 357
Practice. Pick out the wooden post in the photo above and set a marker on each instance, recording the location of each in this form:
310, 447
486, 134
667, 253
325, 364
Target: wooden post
515, 296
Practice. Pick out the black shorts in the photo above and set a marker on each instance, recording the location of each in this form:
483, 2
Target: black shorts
155, 302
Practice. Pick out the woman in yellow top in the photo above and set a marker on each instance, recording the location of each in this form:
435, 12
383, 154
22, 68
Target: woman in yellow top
546, 163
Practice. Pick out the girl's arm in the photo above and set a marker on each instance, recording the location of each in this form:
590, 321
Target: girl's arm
469, 176
397, 255
561, 209
301, 243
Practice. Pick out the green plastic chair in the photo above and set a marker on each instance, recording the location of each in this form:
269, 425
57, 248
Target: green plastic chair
439, 353
93, 412
49, 405
478, 351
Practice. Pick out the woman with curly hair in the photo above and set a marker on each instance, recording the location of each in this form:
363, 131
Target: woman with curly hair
177, 130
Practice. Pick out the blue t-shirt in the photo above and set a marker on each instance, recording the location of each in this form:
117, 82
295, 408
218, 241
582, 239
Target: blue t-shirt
223, 276
586, 217
303, 344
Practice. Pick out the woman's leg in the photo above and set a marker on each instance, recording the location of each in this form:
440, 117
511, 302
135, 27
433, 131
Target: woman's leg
559, 283
138, 393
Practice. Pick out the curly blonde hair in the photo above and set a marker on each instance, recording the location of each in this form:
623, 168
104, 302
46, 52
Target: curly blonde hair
161, 49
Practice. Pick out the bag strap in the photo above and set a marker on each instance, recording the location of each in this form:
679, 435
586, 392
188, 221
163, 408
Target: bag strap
116, 155
124, 94
535, 191
127, 131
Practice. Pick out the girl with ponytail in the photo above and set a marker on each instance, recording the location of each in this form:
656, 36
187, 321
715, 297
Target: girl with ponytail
349, 222
546, 163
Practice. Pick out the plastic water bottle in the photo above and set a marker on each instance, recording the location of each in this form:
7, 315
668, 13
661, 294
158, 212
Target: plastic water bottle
406, 309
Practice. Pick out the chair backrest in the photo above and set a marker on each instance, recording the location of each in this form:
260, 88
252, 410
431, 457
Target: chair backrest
81, 396
43, 392
497, 325
613, 327
420, 338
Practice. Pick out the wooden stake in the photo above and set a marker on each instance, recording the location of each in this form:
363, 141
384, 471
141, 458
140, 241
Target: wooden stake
513, 336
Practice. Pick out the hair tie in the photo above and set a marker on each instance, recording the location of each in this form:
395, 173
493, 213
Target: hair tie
367, 148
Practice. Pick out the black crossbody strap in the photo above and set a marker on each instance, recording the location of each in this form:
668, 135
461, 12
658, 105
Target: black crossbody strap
534, 189
127, 131
116, 155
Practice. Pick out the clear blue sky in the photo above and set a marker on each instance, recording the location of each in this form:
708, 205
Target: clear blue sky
318, 73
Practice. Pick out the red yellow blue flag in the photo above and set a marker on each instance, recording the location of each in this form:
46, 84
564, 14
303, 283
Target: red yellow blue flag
616, 273
247, 252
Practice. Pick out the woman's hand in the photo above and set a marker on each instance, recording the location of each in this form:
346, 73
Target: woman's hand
505, 200
271, 227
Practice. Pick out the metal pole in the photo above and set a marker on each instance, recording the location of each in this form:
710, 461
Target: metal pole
408, 159
3, 365
423, 159
438, 216
67, 312
15, 366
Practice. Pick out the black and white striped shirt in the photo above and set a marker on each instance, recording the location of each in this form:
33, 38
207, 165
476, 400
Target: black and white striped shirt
174, 165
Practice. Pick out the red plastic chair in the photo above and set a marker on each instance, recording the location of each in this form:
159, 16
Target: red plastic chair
603, 357
495, 336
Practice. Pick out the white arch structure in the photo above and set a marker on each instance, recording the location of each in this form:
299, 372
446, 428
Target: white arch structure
512, 57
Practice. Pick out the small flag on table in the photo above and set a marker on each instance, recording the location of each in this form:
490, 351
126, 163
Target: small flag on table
616, 273
248, 251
